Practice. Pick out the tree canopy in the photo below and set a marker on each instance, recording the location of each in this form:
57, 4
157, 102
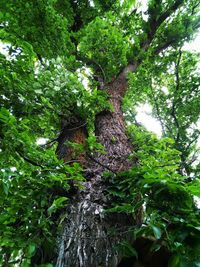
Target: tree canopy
56, 57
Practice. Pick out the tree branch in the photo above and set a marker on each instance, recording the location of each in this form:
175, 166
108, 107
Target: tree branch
162, 47
169, 11
192, 141
90, 62
173, 111
170, 42
101, 164
30, 160
156, 21
157, 110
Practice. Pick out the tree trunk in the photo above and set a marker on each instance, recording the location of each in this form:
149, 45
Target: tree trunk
88, 239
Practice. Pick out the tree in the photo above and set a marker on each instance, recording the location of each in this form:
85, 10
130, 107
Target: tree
98, 193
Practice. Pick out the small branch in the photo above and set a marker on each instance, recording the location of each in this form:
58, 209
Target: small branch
29, 160
72, 161
70, 129
169, 11
192, 141
157, 110
194, 7
50, 143
77, 127
173, 111
101, 164
196, 27
40, 60
156, 21
177, 65
168, 43
162, 47
104, 76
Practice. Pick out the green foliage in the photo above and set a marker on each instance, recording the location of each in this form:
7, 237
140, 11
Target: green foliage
57, 203
194, 187
31, 178
55, 51
42, 26
34, 184
105, 46
171, 86
154, 183
126, 249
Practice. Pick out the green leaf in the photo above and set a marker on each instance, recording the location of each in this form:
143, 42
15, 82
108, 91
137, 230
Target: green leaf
31, 249
127, 250
38, 91
6, 117
157, 231
197, 263
5, 188
58, 203
194, 188
174, 261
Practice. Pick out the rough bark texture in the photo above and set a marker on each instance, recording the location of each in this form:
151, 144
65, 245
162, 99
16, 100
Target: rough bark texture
87, 239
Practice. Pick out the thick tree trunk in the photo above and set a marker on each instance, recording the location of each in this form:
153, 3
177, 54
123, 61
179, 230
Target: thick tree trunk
87, 239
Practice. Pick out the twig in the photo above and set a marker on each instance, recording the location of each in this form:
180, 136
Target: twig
30, 160
101, 164
173, 111
77, 127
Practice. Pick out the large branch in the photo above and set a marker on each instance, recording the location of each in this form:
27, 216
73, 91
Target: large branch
155, 20
158, 21
170, 42
153, 25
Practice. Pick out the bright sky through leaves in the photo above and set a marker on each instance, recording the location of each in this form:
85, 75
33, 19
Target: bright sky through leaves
144, 111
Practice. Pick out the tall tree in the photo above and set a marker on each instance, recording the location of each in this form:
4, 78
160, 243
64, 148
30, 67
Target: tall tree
104, 192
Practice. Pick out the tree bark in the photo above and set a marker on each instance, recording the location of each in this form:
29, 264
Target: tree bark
88, 239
